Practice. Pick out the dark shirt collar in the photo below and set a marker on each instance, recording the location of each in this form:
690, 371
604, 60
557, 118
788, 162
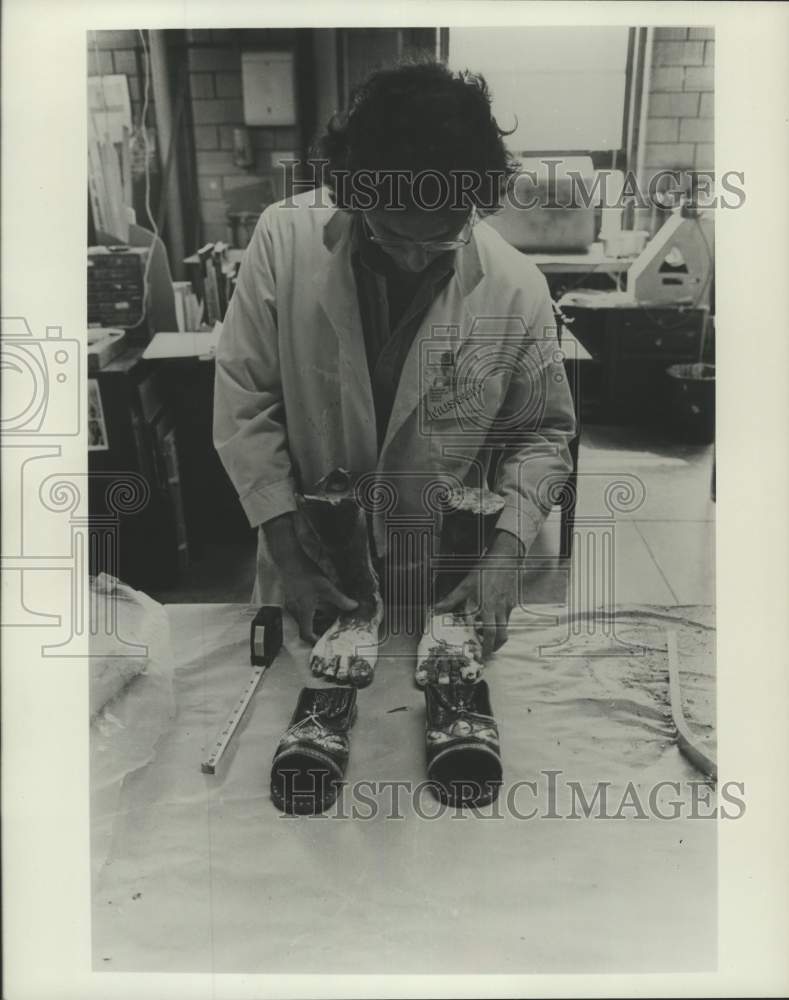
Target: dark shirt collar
375, 259
340, 230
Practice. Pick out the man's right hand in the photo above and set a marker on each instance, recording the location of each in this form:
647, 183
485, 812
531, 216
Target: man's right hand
306, 587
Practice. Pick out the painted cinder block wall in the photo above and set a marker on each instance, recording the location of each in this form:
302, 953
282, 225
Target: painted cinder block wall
214, 63
121, 52
112, 52
681, 102
213, 107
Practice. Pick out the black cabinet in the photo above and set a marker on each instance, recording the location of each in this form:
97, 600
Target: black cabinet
633, 347
151, 545
212, 509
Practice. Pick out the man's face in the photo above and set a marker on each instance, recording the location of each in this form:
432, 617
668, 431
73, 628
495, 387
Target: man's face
410, 230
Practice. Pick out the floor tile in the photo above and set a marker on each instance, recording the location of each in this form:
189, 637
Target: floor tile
671, 481
685, 553
636, 578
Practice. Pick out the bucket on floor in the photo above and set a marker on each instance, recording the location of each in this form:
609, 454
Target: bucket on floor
691, 399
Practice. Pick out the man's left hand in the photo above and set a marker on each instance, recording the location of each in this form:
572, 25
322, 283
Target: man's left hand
489, 593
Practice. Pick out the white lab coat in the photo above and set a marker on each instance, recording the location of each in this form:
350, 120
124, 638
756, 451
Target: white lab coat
293, 398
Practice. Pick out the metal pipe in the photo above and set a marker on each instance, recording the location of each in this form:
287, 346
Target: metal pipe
643, 111
326, 73
167, 145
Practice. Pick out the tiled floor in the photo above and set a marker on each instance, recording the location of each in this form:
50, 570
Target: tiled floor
663, 533
663, 548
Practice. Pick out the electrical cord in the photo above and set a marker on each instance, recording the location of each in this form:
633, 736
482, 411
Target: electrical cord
104, 110
147, 169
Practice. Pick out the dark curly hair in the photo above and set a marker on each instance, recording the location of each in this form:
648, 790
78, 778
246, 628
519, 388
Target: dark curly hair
415, 117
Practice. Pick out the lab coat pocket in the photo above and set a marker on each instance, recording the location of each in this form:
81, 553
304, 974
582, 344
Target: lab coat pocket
464, 405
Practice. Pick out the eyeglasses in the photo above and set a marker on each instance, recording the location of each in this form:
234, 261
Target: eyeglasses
438, 246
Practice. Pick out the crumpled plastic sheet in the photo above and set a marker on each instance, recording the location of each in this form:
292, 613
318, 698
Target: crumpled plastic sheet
204, 875
132, 698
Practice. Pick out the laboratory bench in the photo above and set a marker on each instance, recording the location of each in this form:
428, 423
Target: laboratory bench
204, 856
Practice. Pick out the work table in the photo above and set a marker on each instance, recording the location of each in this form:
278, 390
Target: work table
204, 875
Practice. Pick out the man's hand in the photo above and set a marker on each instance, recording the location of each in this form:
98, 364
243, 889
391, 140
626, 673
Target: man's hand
488, 594
306, 587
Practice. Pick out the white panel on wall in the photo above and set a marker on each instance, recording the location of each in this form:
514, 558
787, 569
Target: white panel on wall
564, 88
267, 82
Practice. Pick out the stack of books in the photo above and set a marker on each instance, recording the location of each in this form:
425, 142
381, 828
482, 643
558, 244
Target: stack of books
188, 307
218, 278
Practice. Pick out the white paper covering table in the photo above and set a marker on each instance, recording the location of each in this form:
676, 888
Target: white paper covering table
204, 875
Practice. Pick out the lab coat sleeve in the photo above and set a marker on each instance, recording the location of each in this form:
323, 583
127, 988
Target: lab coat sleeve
249, 429
535, 457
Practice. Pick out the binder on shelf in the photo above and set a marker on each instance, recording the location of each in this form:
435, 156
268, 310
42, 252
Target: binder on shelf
217, 259
210, 284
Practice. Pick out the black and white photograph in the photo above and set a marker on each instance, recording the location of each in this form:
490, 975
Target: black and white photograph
97, 428
387, 561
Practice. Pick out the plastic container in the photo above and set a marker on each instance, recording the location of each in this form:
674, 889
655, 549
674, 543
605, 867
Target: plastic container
625, 243
691, 396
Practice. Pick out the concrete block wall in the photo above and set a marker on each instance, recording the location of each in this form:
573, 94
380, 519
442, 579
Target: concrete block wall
113, 52
214, 64
121, 52
214, 109
680, 123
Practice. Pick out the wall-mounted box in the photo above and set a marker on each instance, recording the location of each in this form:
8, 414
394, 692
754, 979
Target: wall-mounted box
268, 84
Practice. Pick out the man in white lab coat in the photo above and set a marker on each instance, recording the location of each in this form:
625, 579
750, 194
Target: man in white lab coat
380, 326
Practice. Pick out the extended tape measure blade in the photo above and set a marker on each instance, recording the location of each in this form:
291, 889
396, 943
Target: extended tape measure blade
225, 735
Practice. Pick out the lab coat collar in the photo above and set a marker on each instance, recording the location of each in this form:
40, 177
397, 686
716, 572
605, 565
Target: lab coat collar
340, 223
336, 289
468, 266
